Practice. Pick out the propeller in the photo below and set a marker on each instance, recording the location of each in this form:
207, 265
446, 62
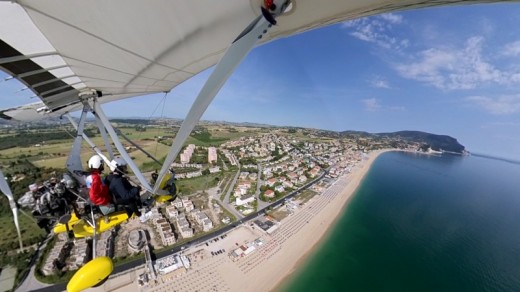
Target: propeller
4, 187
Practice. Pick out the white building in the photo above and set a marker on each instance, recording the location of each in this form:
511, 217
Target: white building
212, 154
239, 201
279, 188
172, 211
188, 205
207, 224
186, 232
177, 203
171, 263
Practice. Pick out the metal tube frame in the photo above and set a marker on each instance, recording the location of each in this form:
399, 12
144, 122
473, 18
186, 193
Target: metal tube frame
74, 159
224, 68
103, 133
98, 112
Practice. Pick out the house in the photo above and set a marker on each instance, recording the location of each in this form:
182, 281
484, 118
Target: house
188, 205
207, 224
270, 182
279, 188
313, 172
168, 238
186, 232
182, 222
240, 201
239, 192
172, 211
177, 203
226, 220
245, 185
269, 194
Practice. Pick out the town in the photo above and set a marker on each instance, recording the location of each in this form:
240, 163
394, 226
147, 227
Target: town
268, 168
253, 181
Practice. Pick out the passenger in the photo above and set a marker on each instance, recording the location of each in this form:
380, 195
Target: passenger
98, 191
119, 186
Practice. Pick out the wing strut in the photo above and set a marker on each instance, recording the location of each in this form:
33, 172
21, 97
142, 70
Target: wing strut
105, 138
104, 125
224, 68
74, 160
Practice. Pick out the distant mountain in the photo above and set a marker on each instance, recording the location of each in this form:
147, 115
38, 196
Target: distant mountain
436, 142
427, 140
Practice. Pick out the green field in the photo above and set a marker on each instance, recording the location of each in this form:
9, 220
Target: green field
49, 148
196, 184
31, 233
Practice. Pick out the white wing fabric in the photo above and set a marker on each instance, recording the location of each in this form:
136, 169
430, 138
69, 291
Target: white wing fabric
126, 48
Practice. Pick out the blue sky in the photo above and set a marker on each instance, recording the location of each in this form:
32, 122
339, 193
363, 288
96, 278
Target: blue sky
451, 70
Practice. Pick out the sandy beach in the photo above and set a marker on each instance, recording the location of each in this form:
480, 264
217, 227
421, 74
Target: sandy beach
328, 218
271, 266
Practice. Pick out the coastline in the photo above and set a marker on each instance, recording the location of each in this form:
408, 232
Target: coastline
355, 179
282, 254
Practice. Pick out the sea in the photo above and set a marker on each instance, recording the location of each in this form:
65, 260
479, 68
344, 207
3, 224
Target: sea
423, 223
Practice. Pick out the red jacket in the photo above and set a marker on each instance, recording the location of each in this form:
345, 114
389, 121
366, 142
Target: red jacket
98, 192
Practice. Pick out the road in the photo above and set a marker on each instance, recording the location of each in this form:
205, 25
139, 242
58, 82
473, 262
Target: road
30, 283
225, 203
261, 204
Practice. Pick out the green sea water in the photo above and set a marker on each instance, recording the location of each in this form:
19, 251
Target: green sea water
424, 223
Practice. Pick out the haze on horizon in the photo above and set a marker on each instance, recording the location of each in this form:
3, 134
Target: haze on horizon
451, 70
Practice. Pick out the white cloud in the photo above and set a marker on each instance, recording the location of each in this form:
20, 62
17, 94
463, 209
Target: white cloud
502, 105
371, 104
377, 29
456, 68
378, 82
392, 17
512, 49
374, 104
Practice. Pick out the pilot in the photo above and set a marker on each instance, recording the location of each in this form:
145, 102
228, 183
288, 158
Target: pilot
98, 190
124, 193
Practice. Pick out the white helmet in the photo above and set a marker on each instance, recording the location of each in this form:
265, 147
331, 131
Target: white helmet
117, 162
95, 162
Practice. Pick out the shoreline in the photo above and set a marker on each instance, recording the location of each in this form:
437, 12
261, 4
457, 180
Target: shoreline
279, 258
348, 192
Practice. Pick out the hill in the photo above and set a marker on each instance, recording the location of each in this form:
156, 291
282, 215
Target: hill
434, 141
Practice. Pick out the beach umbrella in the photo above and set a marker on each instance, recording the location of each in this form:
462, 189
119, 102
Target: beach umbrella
4, 187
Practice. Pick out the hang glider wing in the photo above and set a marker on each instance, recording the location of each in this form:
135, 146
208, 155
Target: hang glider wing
129, 48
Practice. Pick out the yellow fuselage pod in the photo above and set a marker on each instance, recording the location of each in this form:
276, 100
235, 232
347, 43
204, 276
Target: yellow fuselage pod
83, 229
166, 178
163, 198
162, 195
90, 274
60, 228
